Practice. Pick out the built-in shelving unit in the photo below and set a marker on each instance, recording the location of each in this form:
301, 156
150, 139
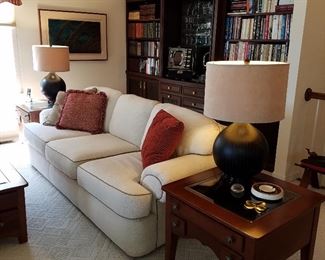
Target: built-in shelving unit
257, 30
143, 47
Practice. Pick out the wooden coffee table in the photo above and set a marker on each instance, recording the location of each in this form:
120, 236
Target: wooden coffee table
276, 234
12, 203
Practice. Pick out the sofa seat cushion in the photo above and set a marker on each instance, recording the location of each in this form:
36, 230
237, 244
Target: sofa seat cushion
66, 155
115, 182
39, 135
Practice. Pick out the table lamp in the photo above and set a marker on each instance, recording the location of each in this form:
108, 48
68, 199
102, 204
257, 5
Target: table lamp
51, 59
244, 93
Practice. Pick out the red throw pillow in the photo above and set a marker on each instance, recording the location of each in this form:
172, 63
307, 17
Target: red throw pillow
162, 139
83, 111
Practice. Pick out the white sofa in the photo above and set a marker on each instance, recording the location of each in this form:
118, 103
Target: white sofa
103, 176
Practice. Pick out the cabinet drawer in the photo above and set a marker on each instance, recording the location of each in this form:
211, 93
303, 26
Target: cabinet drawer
170, 88
194, 92
193, 103
220, 232
9, 223
170, 98
8, 200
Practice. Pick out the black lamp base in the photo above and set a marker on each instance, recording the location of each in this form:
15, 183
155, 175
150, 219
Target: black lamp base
51, 84
240, 151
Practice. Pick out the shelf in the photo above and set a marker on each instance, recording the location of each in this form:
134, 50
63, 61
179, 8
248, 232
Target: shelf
142, 57
144, 39
144, 21
259, 14
142, 75
259, 41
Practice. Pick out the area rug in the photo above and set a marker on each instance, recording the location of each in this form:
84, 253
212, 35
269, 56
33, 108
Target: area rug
58, 230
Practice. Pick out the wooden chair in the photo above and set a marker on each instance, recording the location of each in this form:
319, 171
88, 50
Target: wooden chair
310, 174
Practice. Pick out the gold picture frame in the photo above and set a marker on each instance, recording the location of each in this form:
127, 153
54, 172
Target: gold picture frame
85, 33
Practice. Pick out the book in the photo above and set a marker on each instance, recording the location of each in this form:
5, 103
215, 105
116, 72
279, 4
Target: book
134, 15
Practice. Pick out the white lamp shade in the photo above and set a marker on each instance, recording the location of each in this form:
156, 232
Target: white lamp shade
253, 92
53, 58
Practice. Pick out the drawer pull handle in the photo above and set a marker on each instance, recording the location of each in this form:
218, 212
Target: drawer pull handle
229, 240
175, 207
193, 93
193, 105
228, 257
2, 224
168, 96
174, 224
168, 87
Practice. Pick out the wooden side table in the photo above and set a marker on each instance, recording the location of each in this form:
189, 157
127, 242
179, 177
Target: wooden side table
29, 113
276, 234
12, 203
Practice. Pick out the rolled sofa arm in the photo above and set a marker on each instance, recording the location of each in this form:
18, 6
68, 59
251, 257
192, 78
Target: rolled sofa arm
156, 175
44, 114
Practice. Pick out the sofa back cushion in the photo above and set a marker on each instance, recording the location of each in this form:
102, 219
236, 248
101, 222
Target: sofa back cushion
130, 117
112, 95
199, 131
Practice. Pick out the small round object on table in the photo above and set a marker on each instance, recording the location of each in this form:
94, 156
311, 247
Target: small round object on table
267, 191
237, 190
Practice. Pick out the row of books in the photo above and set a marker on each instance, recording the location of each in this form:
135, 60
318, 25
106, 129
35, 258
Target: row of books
261, 6
264, 52
269, 27
146, 12
149, 48
144, 30
258, 6
148, 66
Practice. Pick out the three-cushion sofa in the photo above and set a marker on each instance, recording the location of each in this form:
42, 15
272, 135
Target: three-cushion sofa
102, 174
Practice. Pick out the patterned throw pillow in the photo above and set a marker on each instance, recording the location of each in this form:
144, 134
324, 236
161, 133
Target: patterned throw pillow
83, 111
162, 139
54, 115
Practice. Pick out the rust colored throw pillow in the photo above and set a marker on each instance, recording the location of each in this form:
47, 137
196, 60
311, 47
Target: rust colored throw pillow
83, 111
55, 113
162, 139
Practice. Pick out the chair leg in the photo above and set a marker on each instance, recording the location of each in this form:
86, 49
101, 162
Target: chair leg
305, 180
314, 180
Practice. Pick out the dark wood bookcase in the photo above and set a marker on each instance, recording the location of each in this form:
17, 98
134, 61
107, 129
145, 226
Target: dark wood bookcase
143, 47
195, 25
160, 34
257, 30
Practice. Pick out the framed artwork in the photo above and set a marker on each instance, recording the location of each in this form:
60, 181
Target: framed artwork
84, 33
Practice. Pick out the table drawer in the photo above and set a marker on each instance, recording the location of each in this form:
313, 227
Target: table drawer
24, 117
194, 91
170, 88
178, 225
9, 223
8, 200
220, 232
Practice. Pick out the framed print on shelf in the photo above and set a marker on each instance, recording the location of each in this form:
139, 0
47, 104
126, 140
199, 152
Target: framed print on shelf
84, 33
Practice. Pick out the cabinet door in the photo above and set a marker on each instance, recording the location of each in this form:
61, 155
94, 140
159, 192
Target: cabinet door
151, 89
135, 86
142, 87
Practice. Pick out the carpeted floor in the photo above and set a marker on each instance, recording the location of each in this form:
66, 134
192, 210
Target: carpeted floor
58, 230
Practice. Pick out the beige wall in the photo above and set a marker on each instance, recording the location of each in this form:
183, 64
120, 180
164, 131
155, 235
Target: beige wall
82, 73
307, 130
307, 59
